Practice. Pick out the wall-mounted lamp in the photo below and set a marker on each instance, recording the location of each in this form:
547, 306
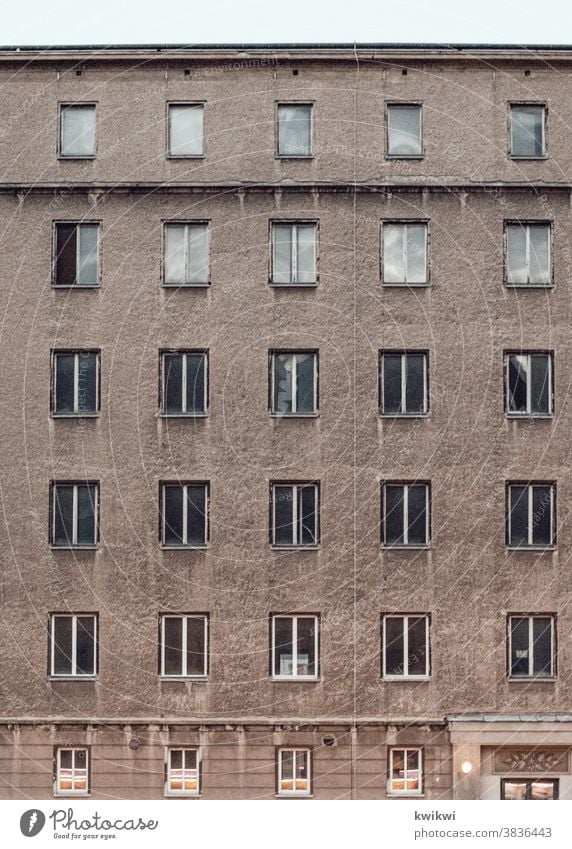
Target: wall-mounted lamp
466, 767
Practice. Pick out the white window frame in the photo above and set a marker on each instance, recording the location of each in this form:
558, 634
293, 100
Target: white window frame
526, 225
397, 104
294, 624
405, 617
406, 543
404, 225
307, 104
185, 543
294, 354
297, 752
184, 354
527, 105
79, 226
74, 673
531, 675
77, 355
404, 355
528, 412
74, 542
391, 791
192, 104
530, 509
184, 771
58, 790
293, 251
79, 104
297, 519
188, 226
183, 619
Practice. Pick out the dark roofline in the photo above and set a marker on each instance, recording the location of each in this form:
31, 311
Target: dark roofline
381, 46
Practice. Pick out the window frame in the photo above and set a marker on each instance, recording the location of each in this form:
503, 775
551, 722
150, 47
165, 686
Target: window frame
293, 222
184, 676
553, 515
553, 646
404, 353
308, 756
397, 156
428, 654
166, 222
405, 222
517, 779
163, 352
513, 414
185, 546
526, 223
84, 222
391, 792
405, 545
277, 105
168, 792
54, 354
74, 546
72, 676
168, 104
317, 640
296, 546
57, 770
541, 104
272, 354
62, 106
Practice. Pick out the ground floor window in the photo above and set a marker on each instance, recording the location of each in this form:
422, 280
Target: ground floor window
182, 772
72, 775
529, 788
293, 772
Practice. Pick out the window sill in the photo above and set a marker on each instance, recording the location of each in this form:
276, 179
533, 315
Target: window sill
405, 285
525, 416
63, 157
531, 679
184, 415
186, 285
405, 795
404, 415
75, 415
528, 285
292, 285
200, 679
532, 158
406, 678
295, 547
295, 679
74, 547
401, 156
293, 795
405, 547
535, 548
71, 795
72, 677
184, 547
174, 156
175, 795
295, 415
293, 156
87, 286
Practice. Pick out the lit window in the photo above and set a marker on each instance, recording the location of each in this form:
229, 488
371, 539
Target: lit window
405, 646
404, 383
405, 772
75, 382
294, 129
405, 254
73, 644
77, 255
294, 382
529, 384
294, 254
295, 647
186, 129
74, 514
184, 383
184, 645
528, 254
529, 788
77, 130
531, 520
295, 513
404, 134
184, 518
405, 514
183, 777
72, 774
187, 248
527, 130
294, 772
531, 646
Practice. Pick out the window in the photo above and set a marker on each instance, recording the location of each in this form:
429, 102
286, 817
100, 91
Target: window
295, 647
404, 134
528, 254
294, 253
404, 383
529, 384
294, 514
77, 130
184, 519
187, 248
294, 772
73, 645
527, 130
405, 646
531, 515
405, 772
186, 129
184, 645
184, 383
294, 383
405, 514
183, 777
294, 129
529, 788
75, 383
75, 508
77, 255
405, 253
72, 773
531, 646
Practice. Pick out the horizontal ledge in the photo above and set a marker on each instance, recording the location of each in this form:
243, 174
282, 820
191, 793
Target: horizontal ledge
227, 720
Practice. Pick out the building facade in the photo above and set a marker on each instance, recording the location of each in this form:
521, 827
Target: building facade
286, 422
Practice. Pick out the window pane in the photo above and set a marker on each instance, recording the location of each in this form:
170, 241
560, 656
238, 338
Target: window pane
62, 663
66, 758
283, 383
542, 645
415, 385
394, 515
173, 376
86, 502
392, 383
283, 515
85, 641
87, 382
517, 381
308, 514
282, 265
394, 646
186, 130
398, 763
88, 240
539, 254
416, 253
283, 655
514, 790
417, 646
306, 253
527, 130
542, 515
198, 254
78, 130
306, 647
519, 646
196, 645
294, 130
176, 758
66, 254
305, 389
516, 254
417, 533
518, 515
393, 261
65, 369
540, 399
287, 771
195, 383
173, 515
175, 265
404, 125
173, 649
196, 515
543, 789
63, 515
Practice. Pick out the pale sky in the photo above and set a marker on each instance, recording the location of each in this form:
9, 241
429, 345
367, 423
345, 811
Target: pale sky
45, 22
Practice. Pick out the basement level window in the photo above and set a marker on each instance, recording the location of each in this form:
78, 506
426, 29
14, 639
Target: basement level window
405, 640
186, 129
182, 772
76, 255
184, 383
529, 390
77, 130
527, 130
528, 254
184, 514
531, 515
72, 772
405, 772
294, 514
538, 789
184, 645
186, 254
295, 647
294, 129
293, 383
531, 646
404, 383
74, 514
75, 383
73, 645
294, 772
